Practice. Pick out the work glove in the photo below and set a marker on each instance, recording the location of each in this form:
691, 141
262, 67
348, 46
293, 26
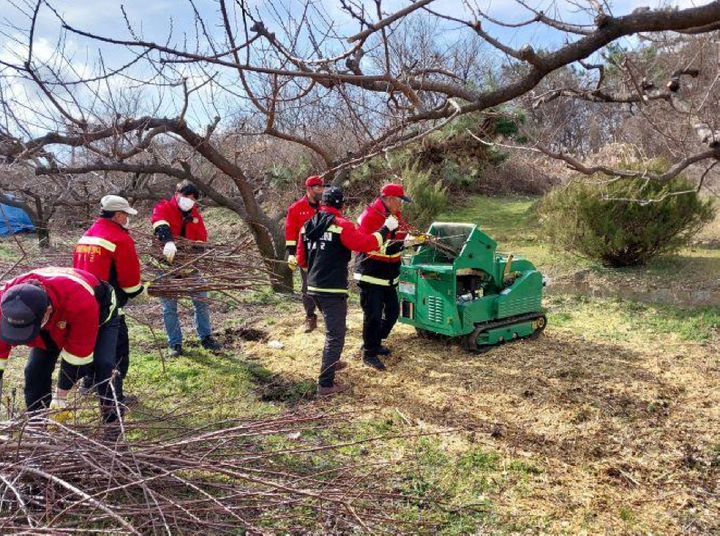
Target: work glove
414, 240
60, 414
391, 223
169, 250
292, 263
144, 295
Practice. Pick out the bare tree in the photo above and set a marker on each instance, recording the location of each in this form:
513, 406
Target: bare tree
658, 98
343, 91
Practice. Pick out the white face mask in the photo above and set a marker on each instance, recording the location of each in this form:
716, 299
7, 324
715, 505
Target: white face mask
185, 203
127, 223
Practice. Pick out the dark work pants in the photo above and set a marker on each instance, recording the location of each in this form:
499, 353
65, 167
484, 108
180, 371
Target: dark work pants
105, 364
40, 365
38, 377
334, 311
380, 312
122, 353
308, 302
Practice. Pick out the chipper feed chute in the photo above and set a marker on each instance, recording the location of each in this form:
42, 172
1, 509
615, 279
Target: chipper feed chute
456, 285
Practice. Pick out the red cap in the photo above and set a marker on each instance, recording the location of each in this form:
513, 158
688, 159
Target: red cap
395, 190
314, 180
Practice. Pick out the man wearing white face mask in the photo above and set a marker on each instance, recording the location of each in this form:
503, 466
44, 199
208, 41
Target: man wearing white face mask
179, 217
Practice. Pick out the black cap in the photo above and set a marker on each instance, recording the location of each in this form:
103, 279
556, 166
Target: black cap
333, 197
188, 188
23, 308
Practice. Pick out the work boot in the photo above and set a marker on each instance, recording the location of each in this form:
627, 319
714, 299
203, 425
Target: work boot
374, 362
176, 350
209, 343
339, 365
384, 350
87, 386
332, 390
111, 432
130, 401
310, 323
111, 423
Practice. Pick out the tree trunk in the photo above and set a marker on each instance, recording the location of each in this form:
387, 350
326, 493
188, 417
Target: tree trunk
271, 244
266, 231
43, 235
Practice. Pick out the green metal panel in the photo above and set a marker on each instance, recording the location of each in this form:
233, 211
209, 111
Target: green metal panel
506, 333
429, 283
524, 296
476, 311
435, 301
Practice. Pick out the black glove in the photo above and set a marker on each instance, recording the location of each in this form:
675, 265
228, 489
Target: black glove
163, 233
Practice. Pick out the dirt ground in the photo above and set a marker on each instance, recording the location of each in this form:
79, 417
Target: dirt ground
626, 432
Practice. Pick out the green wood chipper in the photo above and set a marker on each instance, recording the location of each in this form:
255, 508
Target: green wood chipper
457, 285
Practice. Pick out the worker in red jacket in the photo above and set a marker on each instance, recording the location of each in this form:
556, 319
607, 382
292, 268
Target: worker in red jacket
107, 251
378, 271
180, 217
327, 241
61, 312
298, 213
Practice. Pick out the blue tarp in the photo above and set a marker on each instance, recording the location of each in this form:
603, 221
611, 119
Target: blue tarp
17, 219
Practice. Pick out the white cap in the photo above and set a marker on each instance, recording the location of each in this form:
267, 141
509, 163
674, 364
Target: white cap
115, 203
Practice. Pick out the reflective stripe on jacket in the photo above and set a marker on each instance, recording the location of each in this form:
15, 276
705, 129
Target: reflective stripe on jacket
381, 266
297, 215
107, 251
75, 320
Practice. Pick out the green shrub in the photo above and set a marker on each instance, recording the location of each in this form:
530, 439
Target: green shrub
624, 222
429, 197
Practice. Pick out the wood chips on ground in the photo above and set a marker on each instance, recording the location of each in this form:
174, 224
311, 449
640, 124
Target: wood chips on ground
626, 433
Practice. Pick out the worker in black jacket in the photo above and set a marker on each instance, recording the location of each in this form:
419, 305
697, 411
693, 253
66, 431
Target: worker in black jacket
327, 240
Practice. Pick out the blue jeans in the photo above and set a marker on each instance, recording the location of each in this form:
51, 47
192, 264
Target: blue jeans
172, 323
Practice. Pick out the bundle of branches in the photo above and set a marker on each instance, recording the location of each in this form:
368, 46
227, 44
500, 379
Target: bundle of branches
237, 476
204, 267
439, 243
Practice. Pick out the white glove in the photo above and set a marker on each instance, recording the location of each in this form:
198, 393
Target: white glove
292, 263
391, 223
170, 250
58, 403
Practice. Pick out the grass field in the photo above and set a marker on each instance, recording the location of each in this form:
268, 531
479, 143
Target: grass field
606, 424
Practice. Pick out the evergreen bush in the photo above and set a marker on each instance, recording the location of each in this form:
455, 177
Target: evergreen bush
623, 222
429, 197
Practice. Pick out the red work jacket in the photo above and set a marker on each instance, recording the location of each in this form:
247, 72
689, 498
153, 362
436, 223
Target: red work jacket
382, 266
107, 251
167, 212
75, 319
298, 213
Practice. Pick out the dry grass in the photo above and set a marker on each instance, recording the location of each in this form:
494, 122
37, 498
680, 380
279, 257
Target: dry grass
710, 234
623, 431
